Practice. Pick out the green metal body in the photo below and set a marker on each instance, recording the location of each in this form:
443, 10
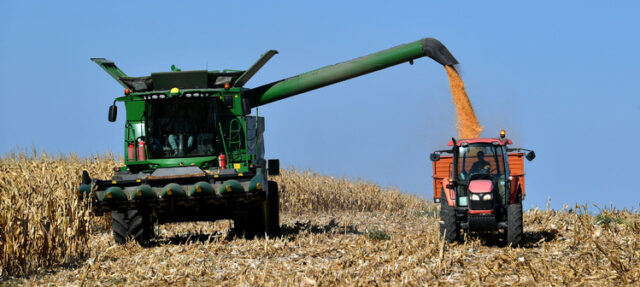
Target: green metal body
188, 120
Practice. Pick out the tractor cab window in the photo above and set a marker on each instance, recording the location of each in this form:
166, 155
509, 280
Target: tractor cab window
180, 128
480, 161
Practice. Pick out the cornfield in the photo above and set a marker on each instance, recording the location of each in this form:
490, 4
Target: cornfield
335, 232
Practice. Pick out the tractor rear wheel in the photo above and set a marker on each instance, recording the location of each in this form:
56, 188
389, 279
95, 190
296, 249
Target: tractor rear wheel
448, 226
514, 224
132, 223
273, 205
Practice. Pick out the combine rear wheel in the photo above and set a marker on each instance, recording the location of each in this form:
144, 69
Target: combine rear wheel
514, 224
448, 226
132, 223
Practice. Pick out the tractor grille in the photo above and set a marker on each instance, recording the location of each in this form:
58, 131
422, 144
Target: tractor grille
481, 204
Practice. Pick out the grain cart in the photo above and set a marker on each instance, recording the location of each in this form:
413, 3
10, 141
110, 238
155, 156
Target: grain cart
194, 152
480, 187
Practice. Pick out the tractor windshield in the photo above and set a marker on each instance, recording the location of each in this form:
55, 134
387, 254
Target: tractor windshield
480, 160
180, 128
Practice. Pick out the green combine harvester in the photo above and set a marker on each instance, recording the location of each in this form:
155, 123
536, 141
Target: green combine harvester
194, 152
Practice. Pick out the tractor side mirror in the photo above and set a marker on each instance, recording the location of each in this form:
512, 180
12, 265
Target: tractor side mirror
434, 156
113, 112
273, 167
530, 156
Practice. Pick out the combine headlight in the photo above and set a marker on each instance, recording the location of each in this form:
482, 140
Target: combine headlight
487, 196
188, 95
196, 94
475, 197
155, 97
161, 96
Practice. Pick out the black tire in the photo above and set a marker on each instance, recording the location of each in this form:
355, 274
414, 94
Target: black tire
273, 206
240, 225
514, 224
448, 226
132, 224
250, 222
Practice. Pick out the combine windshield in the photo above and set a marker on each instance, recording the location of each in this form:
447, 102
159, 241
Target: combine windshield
180, 128
480, 160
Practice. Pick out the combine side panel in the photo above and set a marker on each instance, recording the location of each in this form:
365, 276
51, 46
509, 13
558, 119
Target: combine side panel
516, 168
440, 171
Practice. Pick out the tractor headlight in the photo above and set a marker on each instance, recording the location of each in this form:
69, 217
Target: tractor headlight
487, 196
475, 197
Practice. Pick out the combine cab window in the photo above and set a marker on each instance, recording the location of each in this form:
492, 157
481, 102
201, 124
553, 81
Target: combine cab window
180, 128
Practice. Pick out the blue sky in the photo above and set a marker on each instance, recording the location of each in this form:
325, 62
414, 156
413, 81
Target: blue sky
560, 77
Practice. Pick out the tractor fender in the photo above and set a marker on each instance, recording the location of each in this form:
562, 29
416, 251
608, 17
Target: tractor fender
449, 193
516, 187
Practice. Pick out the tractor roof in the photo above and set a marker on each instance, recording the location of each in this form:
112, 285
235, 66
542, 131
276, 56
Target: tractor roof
500, 141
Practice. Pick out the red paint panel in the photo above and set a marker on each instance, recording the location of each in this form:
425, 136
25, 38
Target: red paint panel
471, 211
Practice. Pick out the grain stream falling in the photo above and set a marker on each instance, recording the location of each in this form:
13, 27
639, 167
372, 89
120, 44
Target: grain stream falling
467, 123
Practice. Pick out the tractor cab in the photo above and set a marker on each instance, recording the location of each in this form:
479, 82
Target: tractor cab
479, 169
479, 184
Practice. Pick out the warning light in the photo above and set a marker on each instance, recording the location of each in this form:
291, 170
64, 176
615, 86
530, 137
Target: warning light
175, 91
127, 91
227, 86
502, 134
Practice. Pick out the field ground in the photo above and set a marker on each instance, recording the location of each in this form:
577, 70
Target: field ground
335, 232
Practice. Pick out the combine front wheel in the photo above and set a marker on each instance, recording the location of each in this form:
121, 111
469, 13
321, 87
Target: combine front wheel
132, 223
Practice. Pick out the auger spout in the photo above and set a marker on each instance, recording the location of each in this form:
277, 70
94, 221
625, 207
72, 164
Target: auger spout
318, 78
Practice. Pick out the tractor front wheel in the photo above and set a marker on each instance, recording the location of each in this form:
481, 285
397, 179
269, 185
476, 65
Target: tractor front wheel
514, 224
448, 226
132, 224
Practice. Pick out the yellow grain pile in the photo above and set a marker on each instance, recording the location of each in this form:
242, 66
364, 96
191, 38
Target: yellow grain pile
41, 220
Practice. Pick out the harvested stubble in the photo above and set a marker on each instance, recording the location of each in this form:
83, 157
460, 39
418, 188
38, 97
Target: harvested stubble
330, 245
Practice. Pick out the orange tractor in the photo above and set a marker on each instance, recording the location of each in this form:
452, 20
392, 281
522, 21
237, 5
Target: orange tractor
480, 187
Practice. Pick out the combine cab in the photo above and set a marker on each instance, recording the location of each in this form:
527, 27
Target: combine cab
194, 152
480, 187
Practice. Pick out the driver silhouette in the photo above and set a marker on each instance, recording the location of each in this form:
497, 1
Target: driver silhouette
480, 164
